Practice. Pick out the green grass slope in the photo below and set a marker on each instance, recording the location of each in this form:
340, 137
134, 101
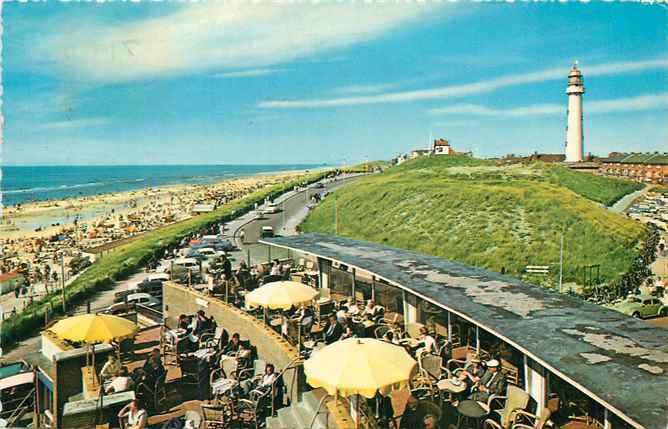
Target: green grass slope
475, 212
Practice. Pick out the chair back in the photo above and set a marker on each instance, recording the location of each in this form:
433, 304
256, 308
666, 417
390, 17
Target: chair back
432, 365
212, 414
229, 367
517, 399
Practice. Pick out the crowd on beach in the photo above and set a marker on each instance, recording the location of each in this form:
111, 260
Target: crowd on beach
45, 255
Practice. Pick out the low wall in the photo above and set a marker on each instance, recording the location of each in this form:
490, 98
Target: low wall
178, 299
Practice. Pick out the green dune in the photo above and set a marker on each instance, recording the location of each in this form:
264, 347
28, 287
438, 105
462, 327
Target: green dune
501, 218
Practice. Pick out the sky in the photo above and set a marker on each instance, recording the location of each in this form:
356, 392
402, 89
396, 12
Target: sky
336, 82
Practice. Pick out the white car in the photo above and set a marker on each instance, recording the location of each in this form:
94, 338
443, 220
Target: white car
272, 208
143, 299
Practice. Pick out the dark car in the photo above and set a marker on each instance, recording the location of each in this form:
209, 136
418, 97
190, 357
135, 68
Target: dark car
79, 263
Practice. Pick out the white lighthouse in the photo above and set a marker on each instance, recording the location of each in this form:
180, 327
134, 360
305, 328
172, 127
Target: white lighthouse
575, 89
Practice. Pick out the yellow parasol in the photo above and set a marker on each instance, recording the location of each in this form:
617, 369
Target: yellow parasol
359, 366
94, 328
281, 295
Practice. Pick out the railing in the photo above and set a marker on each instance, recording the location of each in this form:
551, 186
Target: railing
150, 313
317, 411
294, 364
26, 404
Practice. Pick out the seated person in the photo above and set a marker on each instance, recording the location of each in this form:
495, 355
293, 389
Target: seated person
371, 309
200, 325
262, 383
413, 414
493, 382
351, 307
348, 329
152, 371
473, 371
110, 368
233, 345
275, 268
334, 330
136, 417
390, 337
427, 343
121, 383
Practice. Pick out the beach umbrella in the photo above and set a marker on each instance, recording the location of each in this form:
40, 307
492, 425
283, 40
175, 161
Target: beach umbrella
281, 295
94, 328
359, 366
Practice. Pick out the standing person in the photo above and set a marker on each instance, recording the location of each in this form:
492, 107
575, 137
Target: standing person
135, 415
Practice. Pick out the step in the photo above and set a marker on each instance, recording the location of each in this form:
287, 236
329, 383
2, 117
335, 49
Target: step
286, 419
273, 423
303, 416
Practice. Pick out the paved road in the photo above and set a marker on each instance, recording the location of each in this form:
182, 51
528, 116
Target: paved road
625, 202
293, 210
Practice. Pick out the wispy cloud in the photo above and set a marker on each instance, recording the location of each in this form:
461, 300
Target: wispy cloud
365, 89
218, 36
629, 104
75, 123
248, 73
479, 87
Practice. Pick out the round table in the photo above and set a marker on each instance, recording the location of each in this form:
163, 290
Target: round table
470, 409
451, 386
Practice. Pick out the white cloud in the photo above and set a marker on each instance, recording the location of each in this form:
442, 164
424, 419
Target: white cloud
469, 88
248, 73
76, 123
218, 35
629, 104
365, 89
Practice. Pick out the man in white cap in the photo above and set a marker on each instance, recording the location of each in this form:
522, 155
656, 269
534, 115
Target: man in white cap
493, 382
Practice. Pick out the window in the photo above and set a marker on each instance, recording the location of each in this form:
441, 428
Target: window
389, 297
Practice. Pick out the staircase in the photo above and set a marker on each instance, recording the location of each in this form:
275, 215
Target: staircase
300, 414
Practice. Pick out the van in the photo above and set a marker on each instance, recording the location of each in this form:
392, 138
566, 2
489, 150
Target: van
267, 231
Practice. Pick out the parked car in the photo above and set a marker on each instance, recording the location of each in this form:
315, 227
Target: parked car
152, 287
320, 185
144, 299
642, 306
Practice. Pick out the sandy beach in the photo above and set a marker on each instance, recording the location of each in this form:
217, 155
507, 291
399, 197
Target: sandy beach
32, 235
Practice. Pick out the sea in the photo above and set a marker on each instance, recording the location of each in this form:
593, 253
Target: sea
21, 184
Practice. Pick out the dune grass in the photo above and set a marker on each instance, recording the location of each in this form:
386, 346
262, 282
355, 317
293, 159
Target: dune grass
499, 218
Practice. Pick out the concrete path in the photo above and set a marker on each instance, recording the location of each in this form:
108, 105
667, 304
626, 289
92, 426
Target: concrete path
626, 201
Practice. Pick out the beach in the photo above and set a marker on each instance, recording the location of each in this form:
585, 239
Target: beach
34, 234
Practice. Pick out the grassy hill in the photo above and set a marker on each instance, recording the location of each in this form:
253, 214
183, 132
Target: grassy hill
473, 211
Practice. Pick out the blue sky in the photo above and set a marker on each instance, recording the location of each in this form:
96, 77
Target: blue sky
237, 82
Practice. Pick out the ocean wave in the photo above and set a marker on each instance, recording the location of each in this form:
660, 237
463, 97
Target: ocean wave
51, 188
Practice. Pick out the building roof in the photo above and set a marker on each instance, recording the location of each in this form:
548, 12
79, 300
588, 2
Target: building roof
8, 276
615, 359
640, 158
441, 142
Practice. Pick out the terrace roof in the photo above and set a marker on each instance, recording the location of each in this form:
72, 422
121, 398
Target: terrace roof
619, 361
